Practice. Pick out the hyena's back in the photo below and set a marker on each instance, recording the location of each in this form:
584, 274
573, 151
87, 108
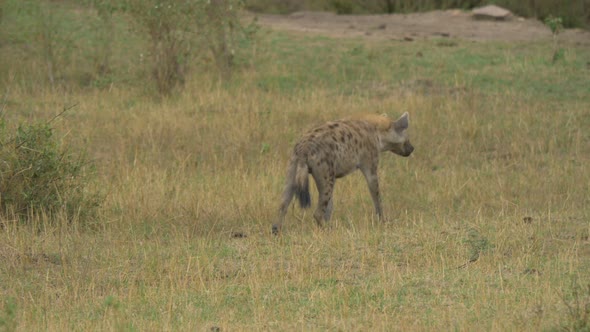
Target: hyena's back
338, 148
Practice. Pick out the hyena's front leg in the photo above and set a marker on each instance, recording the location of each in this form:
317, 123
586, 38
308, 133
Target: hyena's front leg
370, 174
325, 184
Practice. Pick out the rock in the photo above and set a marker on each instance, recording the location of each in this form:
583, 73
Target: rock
491, 12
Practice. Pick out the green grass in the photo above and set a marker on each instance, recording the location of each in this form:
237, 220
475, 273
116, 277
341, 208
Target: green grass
488, 220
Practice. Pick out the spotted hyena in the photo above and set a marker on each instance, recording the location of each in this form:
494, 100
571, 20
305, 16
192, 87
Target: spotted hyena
336, 149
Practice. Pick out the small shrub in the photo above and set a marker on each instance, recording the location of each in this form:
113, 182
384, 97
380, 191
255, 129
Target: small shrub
181, 30
168, 24
38, 173
103, 45
556, 26
223, 31
46, 31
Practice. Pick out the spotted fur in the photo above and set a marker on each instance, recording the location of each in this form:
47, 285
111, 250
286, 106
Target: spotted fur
336, 149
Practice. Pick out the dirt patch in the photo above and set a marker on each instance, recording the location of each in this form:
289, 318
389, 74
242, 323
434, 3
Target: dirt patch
409, 27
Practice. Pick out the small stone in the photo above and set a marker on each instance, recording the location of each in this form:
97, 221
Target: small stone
491, 12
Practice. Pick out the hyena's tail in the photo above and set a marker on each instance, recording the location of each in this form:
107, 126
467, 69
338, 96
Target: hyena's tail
302, 183
297, 183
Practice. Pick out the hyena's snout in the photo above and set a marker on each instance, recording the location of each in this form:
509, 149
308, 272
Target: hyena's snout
407, 149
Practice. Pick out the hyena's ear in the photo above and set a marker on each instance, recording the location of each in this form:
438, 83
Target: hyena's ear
402, 123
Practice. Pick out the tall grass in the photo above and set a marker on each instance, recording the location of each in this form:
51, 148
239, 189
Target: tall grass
488, 221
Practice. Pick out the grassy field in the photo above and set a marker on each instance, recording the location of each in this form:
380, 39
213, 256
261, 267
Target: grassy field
488, 221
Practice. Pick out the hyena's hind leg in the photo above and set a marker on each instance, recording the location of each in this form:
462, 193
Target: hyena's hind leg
325, 184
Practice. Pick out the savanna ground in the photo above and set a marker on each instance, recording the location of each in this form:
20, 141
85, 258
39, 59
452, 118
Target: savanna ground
488, 221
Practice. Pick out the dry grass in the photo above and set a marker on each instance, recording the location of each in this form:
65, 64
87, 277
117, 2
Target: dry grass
488, 220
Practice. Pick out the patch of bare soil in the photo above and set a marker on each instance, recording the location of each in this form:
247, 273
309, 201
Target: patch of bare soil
436, 24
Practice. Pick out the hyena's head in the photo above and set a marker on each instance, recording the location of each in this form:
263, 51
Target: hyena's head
396, 138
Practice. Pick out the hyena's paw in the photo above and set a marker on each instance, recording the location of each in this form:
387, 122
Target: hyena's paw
318, 216
276, 229
323, 224
384, 219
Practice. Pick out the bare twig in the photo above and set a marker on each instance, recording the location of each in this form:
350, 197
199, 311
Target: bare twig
62, 112
48, 122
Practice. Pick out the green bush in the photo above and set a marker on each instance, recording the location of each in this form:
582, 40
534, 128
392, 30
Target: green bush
37, 173
46, 32
168, 24
180, 30
84, 43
